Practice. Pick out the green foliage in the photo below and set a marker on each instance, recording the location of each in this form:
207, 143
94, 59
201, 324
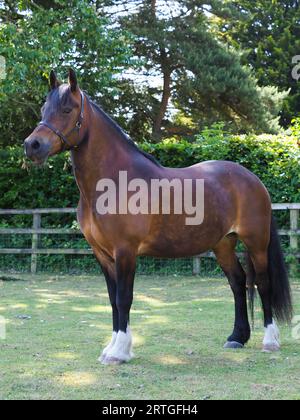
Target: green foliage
31, 187
268, 33
274, 159
215, 86
295, 129
71, 35
201, 75
180, 42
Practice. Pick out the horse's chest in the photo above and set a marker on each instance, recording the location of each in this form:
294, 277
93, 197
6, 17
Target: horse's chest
92, 228
98, 232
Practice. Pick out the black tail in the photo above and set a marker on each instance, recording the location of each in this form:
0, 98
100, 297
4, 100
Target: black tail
250, 286
280, 287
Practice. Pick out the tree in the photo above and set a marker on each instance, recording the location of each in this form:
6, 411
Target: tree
40, 38
202, 76
268, 32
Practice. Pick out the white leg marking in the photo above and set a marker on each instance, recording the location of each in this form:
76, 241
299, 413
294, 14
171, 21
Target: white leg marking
271, 341
121, 351
108, 347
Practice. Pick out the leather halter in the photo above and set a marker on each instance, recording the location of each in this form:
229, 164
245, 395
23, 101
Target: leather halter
64, 137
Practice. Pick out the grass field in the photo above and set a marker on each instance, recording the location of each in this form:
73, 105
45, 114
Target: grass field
58, 326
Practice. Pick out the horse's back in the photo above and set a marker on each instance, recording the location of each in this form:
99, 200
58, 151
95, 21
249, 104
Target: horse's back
215, 169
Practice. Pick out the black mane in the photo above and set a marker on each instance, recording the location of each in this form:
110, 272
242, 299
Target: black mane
125, 137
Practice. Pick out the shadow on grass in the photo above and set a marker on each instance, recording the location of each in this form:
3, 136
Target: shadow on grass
10, 278
179, 326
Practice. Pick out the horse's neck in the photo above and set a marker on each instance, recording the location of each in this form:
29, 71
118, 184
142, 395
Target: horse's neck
102, 152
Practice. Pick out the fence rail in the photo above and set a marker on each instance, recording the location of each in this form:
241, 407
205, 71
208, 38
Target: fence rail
37, 231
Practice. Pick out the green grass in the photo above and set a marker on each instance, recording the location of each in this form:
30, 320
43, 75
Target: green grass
179, 324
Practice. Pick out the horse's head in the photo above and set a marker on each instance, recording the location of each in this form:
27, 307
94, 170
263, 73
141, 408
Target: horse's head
62, 117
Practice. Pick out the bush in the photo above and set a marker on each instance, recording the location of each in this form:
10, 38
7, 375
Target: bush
295, 129
274, 159
25, 186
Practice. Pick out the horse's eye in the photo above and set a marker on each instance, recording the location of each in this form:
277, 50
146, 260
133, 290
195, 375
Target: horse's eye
67, 110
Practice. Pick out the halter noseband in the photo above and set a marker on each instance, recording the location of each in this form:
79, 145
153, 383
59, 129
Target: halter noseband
77, 127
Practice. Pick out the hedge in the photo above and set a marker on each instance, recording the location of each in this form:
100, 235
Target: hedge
274, 159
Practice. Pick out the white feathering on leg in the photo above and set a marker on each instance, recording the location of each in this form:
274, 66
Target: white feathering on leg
121, 350
271, 340
108, 347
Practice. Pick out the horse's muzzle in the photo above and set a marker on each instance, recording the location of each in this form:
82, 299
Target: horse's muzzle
36, 150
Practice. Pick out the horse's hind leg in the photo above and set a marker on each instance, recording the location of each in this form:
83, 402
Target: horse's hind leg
226, 257
260, 262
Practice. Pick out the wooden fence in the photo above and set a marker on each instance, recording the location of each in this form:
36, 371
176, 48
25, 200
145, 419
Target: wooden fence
36, 231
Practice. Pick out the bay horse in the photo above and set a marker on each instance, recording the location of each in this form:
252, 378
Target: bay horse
237, 206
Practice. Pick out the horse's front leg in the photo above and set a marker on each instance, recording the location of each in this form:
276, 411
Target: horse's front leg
111, 282
121, 350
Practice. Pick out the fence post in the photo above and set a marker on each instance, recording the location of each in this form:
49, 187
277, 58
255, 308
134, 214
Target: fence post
294, 217
196, 266
35, 241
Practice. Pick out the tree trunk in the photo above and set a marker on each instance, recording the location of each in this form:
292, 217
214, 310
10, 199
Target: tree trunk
156, 130
156, 133
153, 8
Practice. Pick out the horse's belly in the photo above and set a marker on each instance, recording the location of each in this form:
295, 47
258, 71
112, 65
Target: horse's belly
179, 242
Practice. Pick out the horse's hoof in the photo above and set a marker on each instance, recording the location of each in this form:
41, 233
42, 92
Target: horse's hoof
271, 348
233, 345
110, 360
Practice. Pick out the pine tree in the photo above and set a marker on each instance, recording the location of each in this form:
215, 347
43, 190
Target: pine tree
202, 76
268, 32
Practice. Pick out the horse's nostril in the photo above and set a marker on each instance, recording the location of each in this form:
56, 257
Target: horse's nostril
35, 145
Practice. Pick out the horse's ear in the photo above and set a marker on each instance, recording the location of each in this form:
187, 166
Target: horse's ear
73, 80
54, 83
